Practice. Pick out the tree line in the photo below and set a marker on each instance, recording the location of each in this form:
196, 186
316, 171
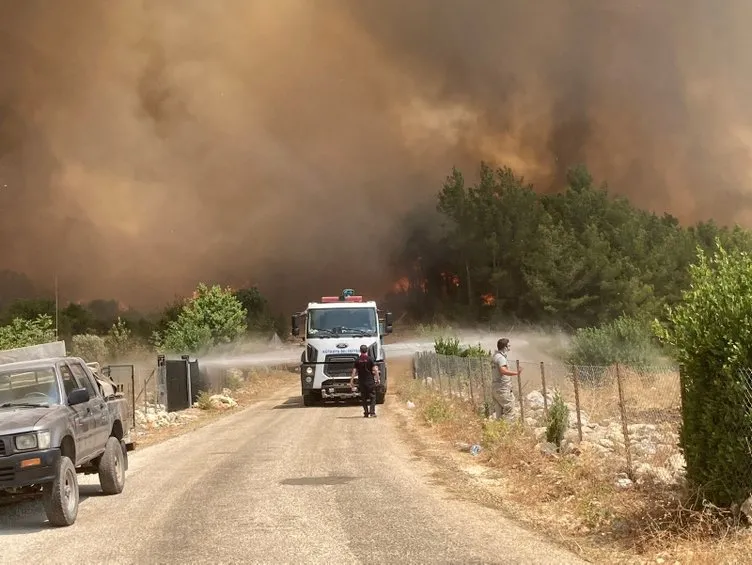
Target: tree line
101, 329
497, 250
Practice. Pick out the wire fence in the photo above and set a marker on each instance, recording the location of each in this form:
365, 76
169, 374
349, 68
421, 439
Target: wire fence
633, 413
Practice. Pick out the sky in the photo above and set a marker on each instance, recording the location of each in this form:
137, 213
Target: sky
149, 145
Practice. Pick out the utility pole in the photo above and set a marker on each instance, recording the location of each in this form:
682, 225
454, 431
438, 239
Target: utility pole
57, 311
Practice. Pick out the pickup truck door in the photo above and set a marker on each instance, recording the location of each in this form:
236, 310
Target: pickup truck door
81, 415
101, 423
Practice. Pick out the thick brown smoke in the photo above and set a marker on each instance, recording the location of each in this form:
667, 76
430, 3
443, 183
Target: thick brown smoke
148, 145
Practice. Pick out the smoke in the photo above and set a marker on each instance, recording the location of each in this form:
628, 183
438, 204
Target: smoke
148, 145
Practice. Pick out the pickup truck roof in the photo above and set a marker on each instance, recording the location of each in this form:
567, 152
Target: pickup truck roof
32, 363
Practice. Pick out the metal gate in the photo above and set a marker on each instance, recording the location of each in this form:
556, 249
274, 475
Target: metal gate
177, 385
183, 383
124, 376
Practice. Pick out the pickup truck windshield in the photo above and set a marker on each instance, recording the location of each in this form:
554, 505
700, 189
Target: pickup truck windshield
327, 322
37, 386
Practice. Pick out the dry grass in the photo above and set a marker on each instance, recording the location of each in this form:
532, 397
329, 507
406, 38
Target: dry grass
574, 498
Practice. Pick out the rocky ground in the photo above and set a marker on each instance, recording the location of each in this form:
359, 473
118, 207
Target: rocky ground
653, 447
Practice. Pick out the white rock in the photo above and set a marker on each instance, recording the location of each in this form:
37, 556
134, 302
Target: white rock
547, 448
641, 429
535, 399
656, 474
606, 443
222, 401
746, 509
623, 482
676, 463
584, 419
644, 448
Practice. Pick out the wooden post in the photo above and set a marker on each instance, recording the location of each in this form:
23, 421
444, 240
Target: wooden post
624, 425
449, 376
576, 379
545, 392
484, 383
438, 371
470, 382
519, 389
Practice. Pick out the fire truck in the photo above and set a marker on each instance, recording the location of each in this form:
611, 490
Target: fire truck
333, 331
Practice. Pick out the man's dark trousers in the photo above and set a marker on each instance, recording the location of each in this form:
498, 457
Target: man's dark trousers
368, 398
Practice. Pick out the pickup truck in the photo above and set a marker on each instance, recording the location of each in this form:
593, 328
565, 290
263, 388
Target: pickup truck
57, 419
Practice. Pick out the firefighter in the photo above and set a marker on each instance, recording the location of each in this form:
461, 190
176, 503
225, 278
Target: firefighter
368, 378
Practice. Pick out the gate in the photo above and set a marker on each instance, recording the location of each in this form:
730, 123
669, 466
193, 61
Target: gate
177, 385
183, 381
124, 376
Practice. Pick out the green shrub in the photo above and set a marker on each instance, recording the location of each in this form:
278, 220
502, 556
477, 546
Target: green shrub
90, 348
438, 410
474, 351
711, 332
557, 420
118, 341
449, 346
211, 317
494, 431
234, 379
452, 347
628, 341
22, 332
203, 400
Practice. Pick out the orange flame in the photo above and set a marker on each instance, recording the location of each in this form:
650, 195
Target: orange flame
451, 279
402, 285
488, 299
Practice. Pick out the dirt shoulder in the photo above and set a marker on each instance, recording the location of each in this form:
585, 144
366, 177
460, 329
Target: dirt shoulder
261, 386
573, 499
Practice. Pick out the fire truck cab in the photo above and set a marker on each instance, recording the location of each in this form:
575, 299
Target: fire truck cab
333, 331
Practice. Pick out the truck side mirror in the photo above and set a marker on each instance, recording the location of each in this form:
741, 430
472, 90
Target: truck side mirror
78, 396
295, 326
388, 323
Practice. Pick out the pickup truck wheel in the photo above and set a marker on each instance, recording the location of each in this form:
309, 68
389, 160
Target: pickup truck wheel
60, 497
380, 397
112, 468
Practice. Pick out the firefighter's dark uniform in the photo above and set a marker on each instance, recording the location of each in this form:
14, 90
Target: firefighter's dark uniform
366, 384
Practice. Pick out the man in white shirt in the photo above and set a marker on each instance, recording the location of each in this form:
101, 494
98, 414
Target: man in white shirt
501, 382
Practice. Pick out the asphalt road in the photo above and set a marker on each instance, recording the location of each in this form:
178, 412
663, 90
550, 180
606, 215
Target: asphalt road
276, 483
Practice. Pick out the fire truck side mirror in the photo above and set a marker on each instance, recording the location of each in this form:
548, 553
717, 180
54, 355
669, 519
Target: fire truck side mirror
294, 325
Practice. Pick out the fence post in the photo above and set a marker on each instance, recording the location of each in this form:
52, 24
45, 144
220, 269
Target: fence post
449, 375
624, 425
133, 397
460, 377
519, 389
484, 391
470, 382
576, 379
545, 392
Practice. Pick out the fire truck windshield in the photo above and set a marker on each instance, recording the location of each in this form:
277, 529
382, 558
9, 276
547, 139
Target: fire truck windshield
327, 322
